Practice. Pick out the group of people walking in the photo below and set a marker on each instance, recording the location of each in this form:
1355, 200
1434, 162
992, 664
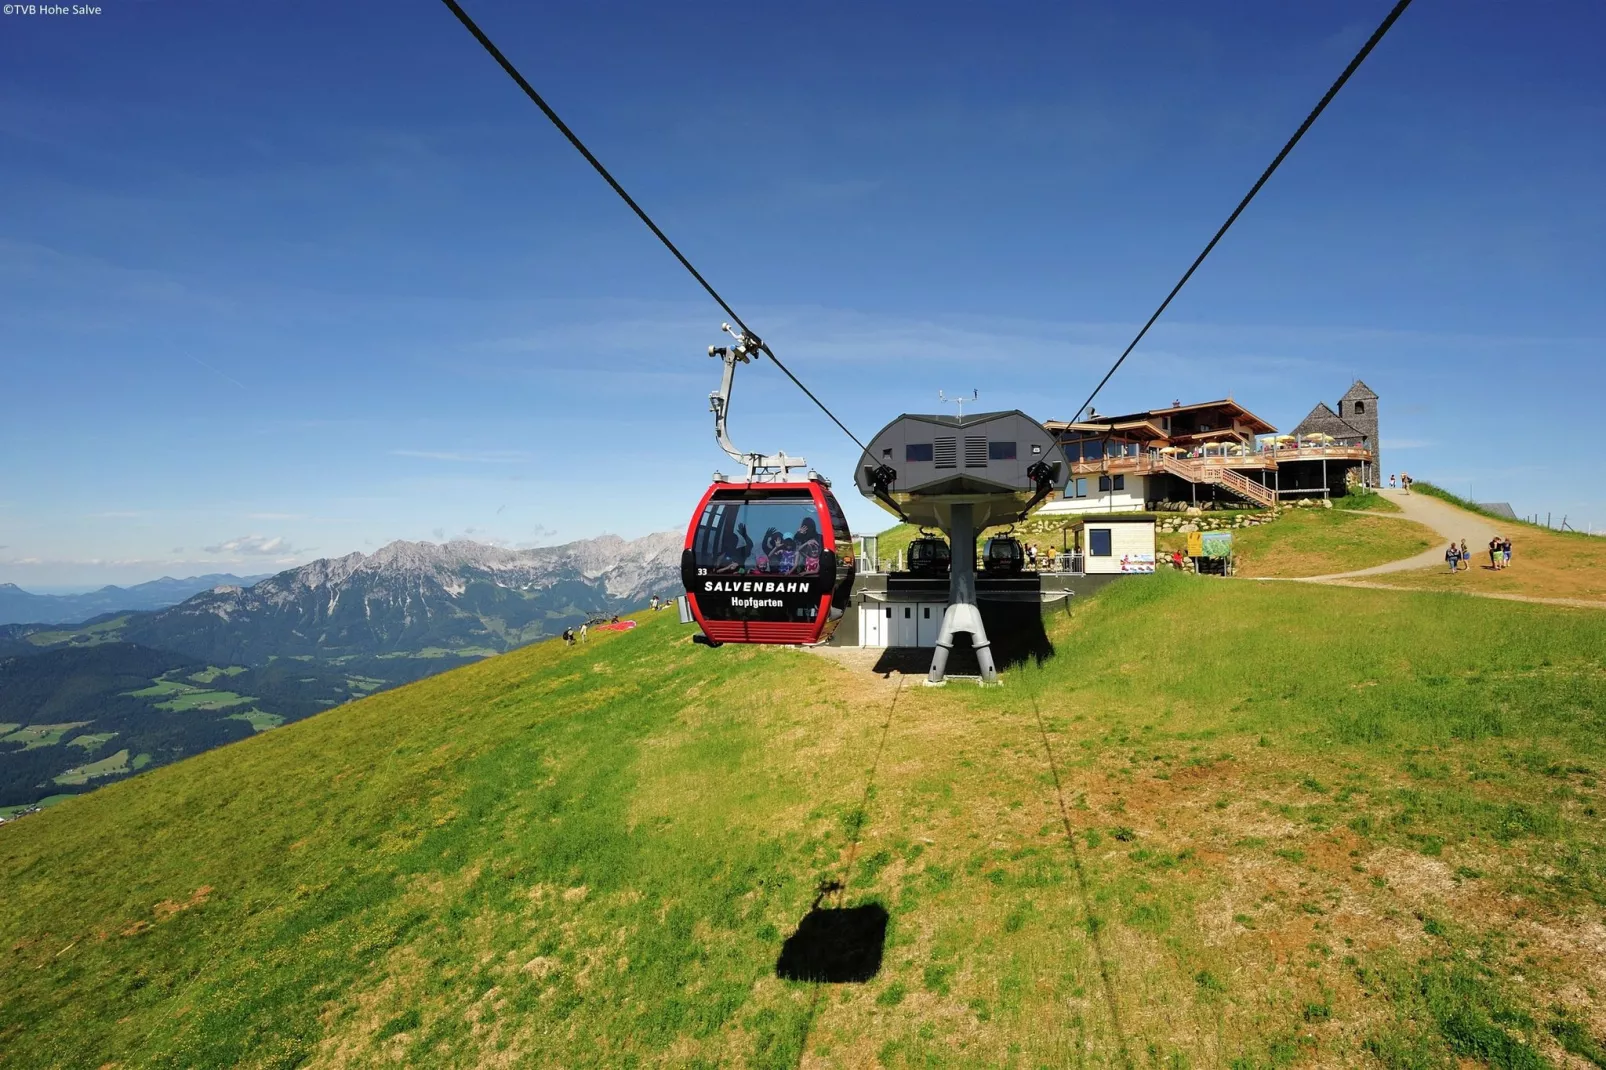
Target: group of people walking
1459, 558
1404, 481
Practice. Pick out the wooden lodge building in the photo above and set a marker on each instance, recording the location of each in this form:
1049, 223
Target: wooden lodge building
1215, 451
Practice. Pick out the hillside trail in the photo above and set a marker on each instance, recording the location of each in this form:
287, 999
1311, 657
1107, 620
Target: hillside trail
1451, 524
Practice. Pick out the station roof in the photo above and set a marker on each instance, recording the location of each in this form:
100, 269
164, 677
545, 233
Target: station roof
1152, 417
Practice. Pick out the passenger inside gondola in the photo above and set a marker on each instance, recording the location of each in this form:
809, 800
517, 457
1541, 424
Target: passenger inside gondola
809, 547
733, 554
791, 543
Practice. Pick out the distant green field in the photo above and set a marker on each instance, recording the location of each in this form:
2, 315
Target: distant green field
204, 700
1225, 825
83, 774
90, 740
40, 735
187, 696
104, 632
259, 720
212, 672
48, 800
444, 652
164, 686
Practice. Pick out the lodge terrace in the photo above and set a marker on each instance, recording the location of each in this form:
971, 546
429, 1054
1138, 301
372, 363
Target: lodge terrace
1215, 451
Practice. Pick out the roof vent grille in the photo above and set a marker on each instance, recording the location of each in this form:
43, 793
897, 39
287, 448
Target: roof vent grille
975, 451
947, 452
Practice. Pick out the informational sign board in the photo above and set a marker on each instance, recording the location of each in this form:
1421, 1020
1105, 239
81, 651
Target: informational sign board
1195, 544
1137, 562
1215, 544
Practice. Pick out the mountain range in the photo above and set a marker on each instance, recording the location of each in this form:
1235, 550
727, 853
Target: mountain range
84, 705
460, 597
18, 606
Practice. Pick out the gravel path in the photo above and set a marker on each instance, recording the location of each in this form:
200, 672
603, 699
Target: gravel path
1451, 524
1440, 516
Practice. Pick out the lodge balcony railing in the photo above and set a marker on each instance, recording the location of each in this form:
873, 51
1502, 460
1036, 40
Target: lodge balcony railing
1153, 461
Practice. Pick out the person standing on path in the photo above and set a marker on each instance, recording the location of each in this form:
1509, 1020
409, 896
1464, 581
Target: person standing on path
1452, 556
1494, 552
1505, 551
1466, 557
583, 630
1391, 481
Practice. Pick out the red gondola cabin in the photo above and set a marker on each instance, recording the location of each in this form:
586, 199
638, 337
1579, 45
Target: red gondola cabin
768, 563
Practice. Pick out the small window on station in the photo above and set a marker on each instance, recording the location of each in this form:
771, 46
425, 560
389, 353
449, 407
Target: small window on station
1000, 451
1104, 483
1120, 482
917, 451
1098, 542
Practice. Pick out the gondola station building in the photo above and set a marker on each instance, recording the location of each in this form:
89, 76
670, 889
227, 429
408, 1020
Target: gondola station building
1215, 452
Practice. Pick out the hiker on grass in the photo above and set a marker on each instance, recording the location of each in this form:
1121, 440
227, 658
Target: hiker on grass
1494, 552
583, 628
568, 636
1505, 552
1466, 557
1452, 556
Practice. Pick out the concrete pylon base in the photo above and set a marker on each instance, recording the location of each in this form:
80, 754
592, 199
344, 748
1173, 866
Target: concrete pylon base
962, 618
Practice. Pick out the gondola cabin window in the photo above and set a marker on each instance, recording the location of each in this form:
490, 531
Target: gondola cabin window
778, 537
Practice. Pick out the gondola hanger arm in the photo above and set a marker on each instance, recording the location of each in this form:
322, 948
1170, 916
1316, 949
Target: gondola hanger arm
759, 465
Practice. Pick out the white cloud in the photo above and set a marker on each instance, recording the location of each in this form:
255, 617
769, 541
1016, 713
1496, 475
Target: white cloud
466, 456
259, 545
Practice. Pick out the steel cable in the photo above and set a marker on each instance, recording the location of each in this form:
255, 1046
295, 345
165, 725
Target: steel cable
1354, 64
574, 139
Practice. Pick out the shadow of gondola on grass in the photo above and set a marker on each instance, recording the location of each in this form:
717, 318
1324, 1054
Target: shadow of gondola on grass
835, 945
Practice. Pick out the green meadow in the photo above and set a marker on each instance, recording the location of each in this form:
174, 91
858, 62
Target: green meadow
1225, 825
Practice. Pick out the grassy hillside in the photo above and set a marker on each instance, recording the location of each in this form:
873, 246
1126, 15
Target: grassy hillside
1226, 825
1301, 542
1318, 542
1544, 564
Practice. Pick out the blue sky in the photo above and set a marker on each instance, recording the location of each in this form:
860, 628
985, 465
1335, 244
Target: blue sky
291, 279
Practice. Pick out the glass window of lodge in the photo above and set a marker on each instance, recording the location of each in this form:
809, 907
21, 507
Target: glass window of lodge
1098, 542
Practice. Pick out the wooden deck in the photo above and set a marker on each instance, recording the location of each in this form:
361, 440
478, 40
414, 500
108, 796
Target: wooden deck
1262, 461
